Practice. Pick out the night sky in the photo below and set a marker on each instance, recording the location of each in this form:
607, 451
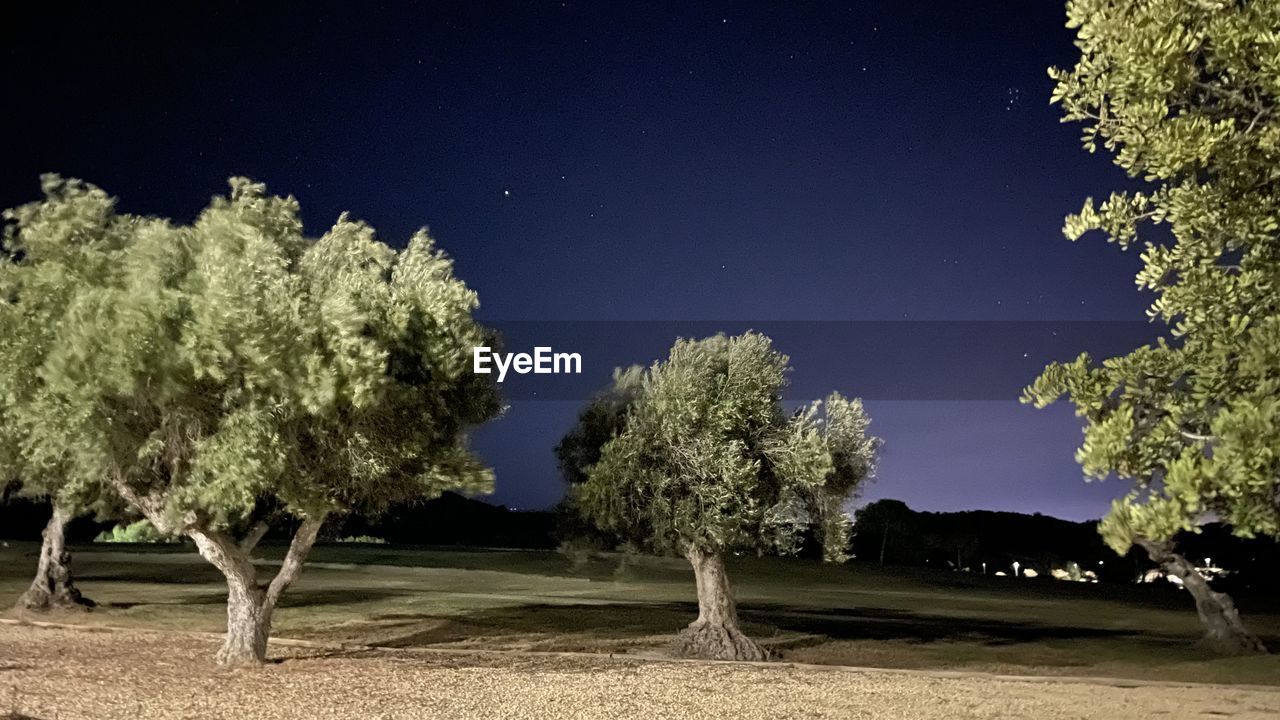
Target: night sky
749, 166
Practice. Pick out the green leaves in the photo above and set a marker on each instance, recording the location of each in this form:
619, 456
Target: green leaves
208, 370
699, 452
1184, 96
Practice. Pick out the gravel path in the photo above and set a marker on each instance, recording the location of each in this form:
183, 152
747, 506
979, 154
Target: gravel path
66, 674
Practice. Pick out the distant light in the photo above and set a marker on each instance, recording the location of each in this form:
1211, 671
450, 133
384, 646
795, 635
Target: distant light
507, 193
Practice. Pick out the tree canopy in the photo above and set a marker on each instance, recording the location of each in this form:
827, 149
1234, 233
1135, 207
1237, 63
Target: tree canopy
51, 252
604, 416
708, 456
1183, 94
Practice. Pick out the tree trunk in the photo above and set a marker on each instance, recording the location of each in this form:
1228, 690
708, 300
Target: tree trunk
249, 604
715, 634
248, 623
53, 586
1224, 631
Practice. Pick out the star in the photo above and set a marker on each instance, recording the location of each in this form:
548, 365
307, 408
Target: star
1012, 96
506, 193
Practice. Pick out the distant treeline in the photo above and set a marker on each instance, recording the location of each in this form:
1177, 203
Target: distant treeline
452, 519
889, 532
449, 519
885, 531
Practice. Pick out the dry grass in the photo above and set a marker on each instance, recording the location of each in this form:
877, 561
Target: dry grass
79, 673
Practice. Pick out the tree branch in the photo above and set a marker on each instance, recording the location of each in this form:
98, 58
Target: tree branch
1159, 552
256, 533
148, 506
303, 539
1230, 94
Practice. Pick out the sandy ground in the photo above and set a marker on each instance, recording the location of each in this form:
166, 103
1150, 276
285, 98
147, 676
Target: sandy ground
63, 673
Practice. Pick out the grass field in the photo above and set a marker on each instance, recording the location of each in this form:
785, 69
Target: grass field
803, 611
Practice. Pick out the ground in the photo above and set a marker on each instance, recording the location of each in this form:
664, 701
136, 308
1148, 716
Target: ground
439, 614
77, 673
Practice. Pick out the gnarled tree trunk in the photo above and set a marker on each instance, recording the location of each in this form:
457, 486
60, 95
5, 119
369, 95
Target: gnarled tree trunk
248, 622
53, 586
715, 635
249, 604
1224, 631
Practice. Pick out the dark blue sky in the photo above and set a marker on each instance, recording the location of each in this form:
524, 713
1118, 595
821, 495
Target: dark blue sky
753, 163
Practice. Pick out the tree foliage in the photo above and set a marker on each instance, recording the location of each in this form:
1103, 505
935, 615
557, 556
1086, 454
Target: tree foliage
708, 458
50, 253
225, 373
1183, 94
603, 418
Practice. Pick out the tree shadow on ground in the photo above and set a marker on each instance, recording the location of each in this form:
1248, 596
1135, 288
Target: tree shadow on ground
622, 621
295, 598
904, 625
196, 599
152, 574
340, 652
606, 621
300, 597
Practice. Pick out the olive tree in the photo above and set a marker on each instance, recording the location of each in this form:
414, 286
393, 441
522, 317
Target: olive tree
227, 375
66, 244
1183, 94
708, 462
